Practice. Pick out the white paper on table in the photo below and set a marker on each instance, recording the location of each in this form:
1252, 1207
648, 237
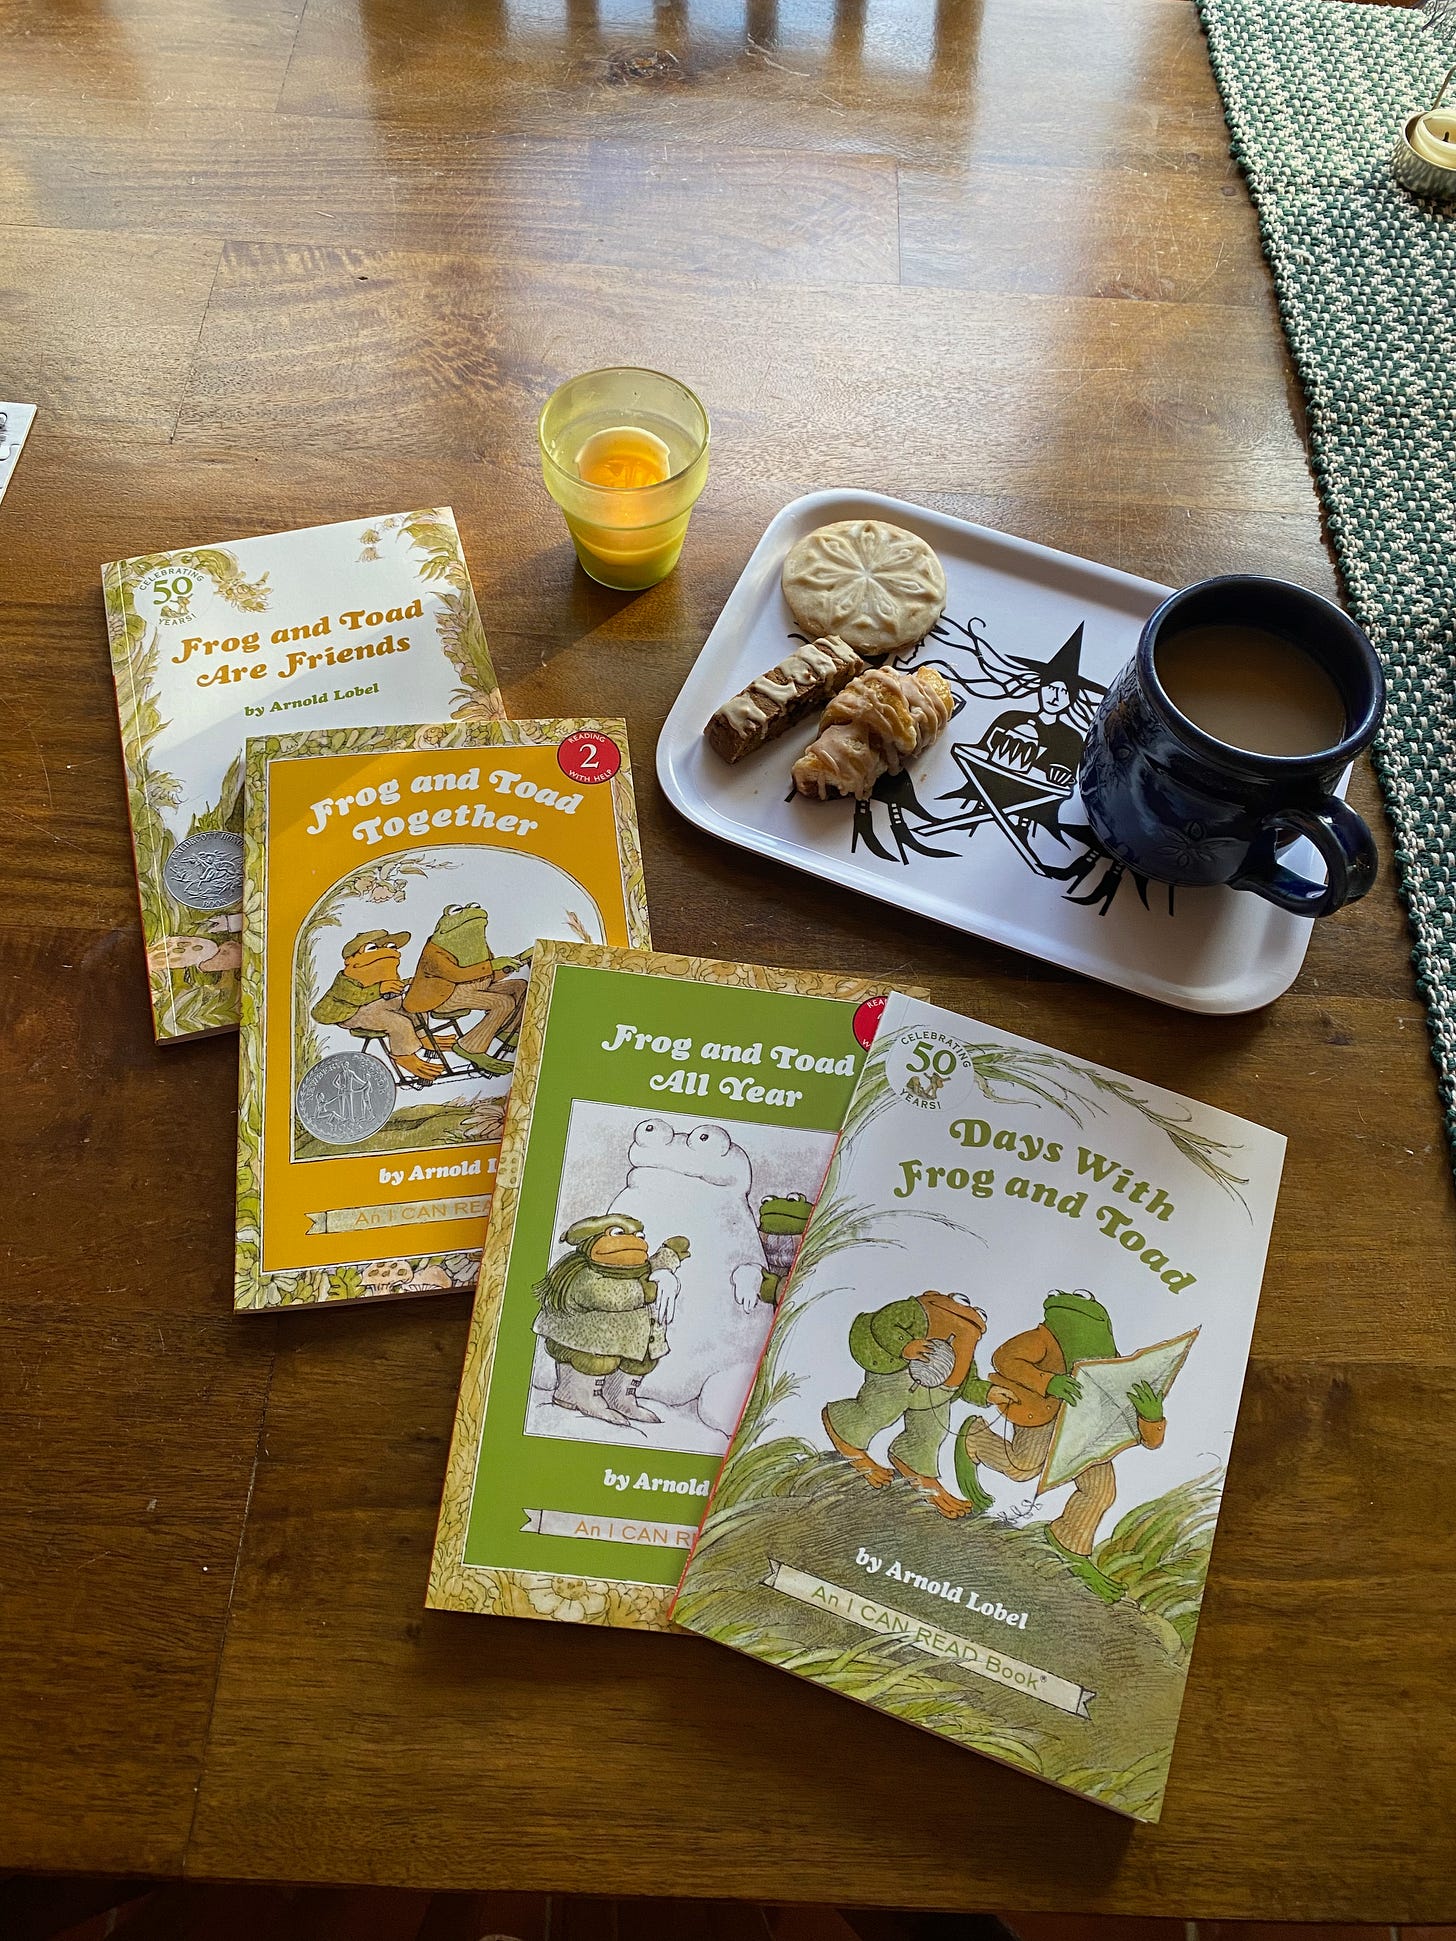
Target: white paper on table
18, 419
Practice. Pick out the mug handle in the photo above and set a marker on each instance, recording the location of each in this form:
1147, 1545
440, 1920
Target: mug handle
1342, 839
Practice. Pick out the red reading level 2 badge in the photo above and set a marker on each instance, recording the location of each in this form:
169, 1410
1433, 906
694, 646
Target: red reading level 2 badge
867, 1020
589, 757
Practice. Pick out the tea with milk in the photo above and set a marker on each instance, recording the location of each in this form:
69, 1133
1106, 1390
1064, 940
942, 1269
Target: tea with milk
1251, 689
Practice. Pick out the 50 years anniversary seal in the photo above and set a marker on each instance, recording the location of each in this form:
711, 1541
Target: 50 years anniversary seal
920, 1066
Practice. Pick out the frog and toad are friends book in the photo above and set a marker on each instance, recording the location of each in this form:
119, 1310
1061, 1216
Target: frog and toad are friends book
976, 1480
368, 621
397, 881
669, 1128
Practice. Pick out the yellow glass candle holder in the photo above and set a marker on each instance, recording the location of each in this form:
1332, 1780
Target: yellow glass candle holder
624, 453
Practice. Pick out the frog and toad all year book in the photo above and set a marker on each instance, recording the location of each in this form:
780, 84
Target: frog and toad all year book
669, 1127
976, 1483
397, 881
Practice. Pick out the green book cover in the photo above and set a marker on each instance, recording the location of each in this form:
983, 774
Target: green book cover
362, 623
976, 1481
670, 1122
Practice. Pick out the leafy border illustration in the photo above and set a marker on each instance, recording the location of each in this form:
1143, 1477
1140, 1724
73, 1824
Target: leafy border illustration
454, 1585
184, 1002
253, 1289
188, 1002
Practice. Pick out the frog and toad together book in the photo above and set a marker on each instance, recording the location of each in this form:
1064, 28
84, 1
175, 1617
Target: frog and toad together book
397, 882
976, 1480
366, 622
669, 1127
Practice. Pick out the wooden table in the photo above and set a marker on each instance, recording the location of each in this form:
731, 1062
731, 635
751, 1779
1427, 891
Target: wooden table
270, 265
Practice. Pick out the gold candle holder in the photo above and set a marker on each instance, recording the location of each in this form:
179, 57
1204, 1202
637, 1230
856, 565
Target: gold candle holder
1425, 153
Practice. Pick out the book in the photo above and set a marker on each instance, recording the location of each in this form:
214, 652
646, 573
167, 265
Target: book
976, 1481
15, 423
669, 1126
364, 622
396, 883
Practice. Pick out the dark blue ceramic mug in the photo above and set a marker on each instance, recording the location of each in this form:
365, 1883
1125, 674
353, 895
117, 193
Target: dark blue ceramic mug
1177, 804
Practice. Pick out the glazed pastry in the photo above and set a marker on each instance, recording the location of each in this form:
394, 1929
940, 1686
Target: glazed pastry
877, 586
802, 682
872, 728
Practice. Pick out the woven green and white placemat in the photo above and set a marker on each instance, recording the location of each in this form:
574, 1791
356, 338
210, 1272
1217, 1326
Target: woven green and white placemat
1315, 92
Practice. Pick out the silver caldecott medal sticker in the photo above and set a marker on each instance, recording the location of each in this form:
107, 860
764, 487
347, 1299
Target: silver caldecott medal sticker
345, 1098
205, 871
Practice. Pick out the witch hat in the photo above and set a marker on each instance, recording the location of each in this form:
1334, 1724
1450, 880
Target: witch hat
1064, 666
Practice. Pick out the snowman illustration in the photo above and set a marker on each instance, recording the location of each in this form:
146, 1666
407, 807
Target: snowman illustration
698, 1183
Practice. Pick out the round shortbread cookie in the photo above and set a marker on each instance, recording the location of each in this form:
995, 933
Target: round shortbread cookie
877, 586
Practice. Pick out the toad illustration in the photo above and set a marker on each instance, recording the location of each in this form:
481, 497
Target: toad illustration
457, 974
919, 1356
598, 1316
1031, 1385
364, 999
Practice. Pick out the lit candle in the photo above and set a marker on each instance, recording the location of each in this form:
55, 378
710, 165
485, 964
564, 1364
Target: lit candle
624, 462
626, 492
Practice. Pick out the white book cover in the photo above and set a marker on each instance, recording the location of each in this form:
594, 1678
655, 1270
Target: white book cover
976, 1481
365, 623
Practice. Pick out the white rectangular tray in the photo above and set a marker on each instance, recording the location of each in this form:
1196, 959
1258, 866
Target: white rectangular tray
990, 801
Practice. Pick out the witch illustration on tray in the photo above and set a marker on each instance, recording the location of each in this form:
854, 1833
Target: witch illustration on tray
1018, 776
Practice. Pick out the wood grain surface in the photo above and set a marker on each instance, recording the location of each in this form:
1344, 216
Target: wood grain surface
271, 265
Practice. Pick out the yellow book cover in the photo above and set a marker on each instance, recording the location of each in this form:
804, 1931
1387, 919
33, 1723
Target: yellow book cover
367, 621
396, 883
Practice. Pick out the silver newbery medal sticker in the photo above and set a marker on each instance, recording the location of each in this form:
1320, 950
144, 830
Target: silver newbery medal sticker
345, 1098
205, 871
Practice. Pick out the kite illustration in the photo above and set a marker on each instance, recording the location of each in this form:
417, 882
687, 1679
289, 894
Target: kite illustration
1105, 1420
